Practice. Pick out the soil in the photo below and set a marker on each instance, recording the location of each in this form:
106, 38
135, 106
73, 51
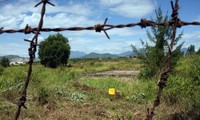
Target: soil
117, 73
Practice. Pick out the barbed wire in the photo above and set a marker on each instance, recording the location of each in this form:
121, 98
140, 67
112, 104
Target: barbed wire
32, 50
100, 27
167, 65
174, 23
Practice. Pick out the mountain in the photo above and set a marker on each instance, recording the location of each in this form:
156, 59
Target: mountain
184, 50
10, 56
97, 55
15, 58
77, 54
126, 54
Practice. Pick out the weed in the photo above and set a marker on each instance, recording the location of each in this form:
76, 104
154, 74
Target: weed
138, 98
43, 95
76, 96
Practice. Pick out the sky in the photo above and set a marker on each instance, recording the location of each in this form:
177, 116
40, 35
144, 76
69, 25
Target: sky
15, 14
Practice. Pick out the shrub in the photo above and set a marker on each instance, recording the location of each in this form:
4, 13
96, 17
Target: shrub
5, 62
183, 88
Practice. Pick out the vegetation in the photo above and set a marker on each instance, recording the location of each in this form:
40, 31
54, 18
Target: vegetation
54, 51
184, 87
153, 56
191, 50
69, 93
5, 62
1, 70
198, 51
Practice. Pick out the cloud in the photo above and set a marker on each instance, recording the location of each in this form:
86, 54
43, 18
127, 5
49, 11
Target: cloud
192, 38
25, 7
126, 32
192, 35
129, 8
101, 45
72, 8
18, 14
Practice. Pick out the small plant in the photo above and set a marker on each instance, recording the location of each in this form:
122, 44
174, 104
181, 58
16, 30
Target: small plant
77, 96
43, 96
61, 92
138, 97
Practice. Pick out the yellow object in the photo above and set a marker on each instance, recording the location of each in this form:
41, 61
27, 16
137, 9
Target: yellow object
111, 91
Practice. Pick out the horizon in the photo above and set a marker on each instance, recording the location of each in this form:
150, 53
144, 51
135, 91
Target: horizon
118, 54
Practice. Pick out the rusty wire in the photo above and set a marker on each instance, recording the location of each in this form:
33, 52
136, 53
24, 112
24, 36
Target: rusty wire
167, 66
32, 50
101, 27
174, 23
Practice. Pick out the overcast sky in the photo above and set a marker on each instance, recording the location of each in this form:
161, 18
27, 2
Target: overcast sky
16, 14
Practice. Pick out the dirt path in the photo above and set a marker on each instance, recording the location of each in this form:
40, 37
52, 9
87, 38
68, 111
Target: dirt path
117, 73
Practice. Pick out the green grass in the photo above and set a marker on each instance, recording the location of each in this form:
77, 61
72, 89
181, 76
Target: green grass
66, 93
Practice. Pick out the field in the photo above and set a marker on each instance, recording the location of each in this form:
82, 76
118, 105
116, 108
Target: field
78, 92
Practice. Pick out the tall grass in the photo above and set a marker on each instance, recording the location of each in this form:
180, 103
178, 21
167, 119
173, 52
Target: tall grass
183, 88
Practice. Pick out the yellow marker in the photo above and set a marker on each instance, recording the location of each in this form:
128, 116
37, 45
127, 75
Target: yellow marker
111, 91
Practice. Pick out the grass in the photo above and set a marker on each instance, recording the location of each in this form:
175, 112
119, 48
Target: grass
65, 93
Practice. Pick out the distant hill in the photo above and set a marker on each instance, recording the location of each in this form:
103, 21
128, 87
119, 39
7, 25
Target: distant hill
184, 50
126, 54
77, 54
15, 58
10, 56
97, 55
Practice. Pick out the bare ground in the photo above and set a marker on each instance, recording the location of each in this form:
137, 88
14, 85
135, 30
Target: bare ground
117, 73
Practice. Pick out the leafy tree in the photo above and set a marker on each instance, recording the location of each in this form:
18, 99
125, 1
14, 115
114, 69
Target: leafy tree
54, 51
191, 50
5, 62
153, 56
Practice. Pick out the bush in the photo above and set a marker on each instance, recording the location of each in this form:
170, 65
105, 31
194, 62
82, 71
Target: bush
5, 62
183, 88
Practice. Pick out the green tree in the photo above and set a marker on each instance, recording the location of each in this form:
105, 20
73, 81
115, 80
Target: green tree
153, 56
54, 51
190, 50
5, 62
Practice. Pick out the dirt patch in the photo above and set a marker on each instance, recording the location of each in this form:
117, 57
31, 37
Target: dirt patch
117, 73
83, 87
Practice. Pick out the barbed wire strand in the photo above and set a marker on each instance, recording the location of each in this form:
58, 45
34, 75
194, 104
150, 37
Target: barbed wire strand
98, 28
174, 23
166, 70
32, 50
